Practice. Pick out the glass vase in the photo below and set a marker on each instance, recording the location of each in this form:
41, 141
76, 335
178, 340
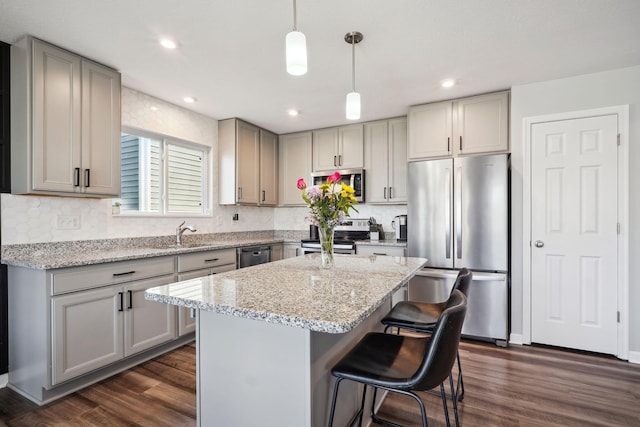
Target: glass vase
326, 246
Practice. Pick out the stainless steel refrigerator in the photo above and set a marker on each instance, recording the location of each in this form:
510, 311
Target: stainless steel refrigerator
458, 216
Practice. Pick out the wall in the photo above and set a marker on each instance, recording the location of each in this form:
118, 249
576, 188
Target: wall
32, 219
611, 88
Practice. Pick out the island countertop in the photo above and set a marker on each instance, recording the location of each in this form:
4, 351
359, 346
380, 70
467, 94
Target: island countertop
297, 291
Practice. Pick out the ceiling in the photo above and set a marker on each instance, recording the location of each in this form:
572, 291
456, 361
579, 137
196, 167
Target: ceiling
231, 53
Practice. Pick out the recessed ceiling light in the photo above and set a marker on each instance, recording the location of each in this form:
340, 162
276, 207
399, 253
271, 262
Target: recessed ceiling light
448, 83
168, 43
189, 99
293, 113
153, 108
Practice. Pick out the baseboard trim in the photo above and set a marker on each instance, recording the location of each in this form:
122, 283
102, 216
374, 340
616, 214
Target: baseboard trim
634, 357
515, 339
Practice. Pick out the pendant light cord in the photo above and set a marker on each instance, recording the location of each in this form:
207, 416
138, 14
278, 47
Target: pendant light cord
295, 20
353, 63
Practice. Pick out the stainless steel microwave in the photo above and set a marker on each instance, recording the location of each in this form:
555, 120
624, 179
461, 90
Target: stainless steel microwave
352, 177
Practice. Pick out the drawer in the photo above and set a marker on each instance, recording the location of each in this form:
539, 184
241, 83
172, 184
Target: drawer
79, 278
198, 260
380, 250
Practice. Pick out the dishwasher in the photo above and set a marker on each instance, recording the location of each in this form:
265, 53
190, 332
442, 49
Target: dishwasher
253, 255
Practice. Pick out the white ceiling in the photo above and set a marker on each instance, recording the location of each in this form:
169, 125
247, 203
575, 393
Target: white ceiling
231, 54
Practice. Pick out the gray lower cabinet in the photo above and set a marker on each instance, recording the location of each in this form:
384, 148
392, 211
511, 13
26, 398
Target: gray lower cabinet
94, 328
199, 264
71, 327
380, 250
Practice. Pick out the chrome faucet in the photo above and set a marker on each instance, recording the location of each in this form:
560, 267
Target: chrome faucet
180, 230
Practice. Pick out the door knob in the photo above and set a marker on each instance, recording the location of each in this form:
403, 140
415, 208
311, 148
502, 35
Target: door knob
539, 243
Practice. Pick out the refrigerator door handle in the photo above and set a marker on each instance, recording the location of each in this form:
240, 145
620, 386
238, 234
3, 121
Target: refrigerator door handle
447, 205
458, 212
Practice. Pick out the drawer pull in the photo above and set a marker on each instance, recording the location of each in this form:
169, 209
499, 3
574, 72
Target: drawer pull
126, 273
212, 260
378, 253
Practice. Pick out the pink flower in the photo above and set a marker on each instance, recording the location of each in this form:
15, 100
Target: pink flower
334, 177
301, 184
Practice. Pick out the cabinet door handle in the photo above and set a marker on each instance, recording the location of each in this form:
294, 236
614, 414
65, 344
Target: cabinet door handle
211, 260
339, 159
385, 193
76, 177
87, 176
335, 161
448, 143
121, 296
460, 142
264, 195
390, 193
123, 274
130, 305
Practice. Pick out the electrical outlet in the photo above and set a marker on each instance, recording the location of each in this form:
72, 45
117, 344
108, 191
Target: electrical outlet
68, 222
219, 219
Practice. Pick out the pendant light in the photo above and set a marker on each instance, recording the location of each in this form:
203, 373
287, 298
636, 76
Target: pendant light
353, 97
296, 49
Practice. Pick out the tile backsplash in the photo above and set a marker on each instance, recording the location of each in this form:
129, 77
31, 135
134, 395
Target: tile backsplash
34, 219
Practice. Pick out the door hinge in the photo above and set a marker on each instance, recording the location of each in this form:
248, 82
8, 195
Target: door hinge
618, 317
618, 227
618, 139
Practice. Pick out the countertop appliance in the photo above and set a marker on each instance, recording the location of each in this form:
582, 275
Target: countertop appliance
253, 255
352, 177
399, 224
460, 218
344, 237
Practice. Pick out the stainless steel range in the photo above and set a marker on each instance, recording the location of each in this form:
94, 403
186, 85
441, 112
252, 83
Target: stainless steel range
344, 238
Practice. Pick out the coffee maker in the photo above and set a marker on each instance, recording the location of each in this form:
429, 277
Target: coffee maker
399, 224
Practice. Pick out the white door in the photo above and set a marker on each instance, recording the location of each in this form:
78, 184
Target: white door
574, 285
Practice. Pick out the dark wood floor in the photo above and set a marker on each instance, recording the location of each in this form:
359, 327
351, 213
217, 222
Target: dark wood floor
520, 386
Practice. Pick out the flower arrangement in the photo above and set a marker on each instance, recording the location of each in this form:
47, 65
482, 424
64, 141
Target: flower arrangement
329, 203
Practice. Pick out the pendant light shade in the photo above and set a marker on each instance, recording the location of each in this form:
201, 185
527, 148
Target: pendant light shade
296, 49
353, 97
296, 53
353, 106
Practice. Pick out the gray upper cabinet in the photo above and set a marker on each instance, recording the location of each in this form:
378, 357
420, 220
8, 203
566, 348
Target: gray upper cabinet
295, 162
268, 168
338, 148
244, 177
478, 124
66, 123
385, 161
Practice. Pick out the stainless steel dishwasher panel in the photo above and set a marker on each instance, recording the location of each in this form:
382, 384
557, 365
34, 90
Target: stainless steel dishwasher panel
487, 310
253, 256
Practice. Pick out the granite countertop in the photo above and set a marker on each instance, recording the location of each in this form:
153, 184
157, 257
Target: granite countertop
385, 242
45, 256
296, 291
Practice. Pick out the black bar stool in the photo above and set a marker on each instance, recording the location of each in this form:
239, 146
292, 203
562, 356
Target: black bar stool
403, 364
422, 317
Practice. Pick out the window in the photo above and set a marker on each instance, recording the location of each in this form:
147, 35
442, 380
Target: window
162, 175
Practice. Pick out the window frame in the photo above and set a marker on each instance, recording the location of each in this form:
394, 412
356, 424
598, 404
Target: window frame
165, 141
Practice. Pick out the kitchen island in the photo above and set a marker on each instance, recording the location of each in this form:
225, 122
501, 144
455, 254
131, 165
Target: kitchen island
267, 336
